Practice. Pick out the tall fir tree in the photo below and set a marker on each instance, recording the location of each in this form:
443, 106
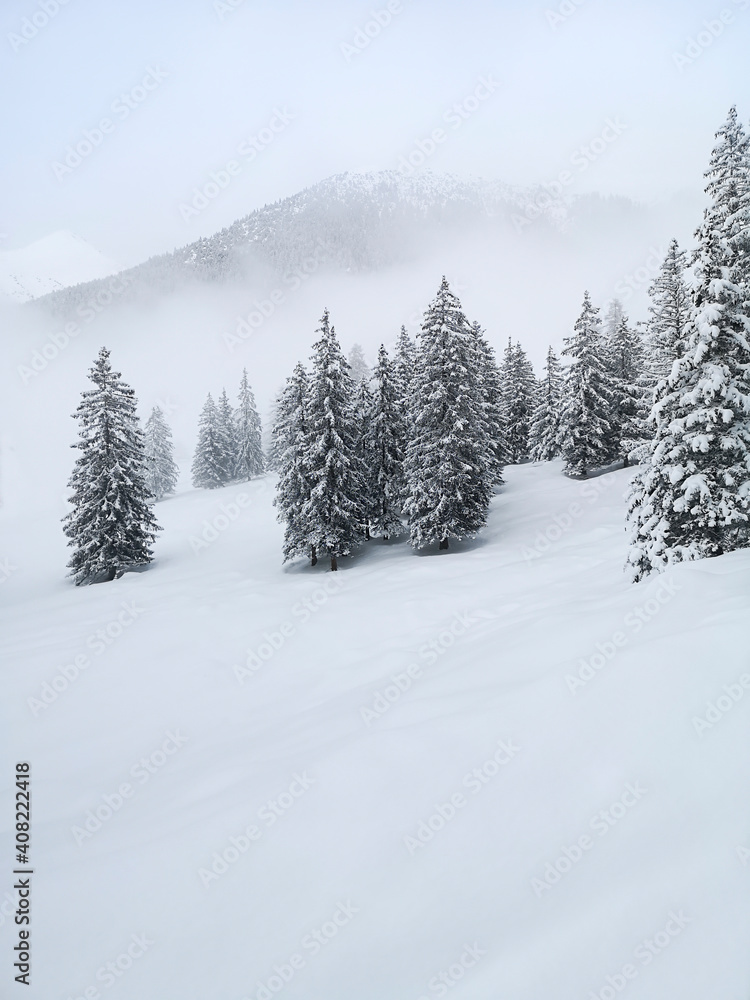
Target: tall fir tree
492, 404
387, 435
248, 435
160, 468
519, 399
227, 436
544, 444
111, 526
446, 463
209, 467
333, 513
404, 374
626, 368
669, 311
362, 416
291, 441
692, 498
587, 390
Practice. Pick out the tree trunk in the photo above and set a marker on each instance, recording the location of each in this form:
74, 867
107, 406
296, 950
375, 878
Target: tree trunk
111, 573
443, 544
313, 555
367, 531
334, 564
625, 462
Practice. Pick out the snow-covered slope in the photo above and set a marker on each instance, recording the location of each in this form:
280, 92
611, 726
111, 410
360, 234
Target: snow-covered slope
397, 772
54, 262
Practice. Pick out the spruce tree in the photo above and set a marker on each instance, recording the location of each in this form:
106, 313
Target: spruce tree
387, 435
248, 435
290, 442
227, 436
446, 462
692, 499
210, 460
491, 386
160, 468
333, 512
111, 527
587, 390
669, 314
362, 416
518, 400
404, 373
544, 435
626, 366
359, 369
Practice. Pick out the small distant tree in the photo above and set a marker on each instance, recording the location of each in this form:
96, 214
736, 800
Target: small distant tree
210, 461
160, 468
544, 435
248, 435
359, 370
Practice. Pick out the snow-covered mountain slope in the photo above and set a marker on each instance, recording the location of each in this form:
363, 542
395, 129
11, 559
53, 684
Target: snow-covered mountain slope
50, 264
487, 765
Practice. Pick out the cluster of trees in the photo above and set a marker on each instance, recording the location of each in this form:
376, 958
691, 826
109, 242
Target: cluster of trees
691, 497
420, 440
229, 445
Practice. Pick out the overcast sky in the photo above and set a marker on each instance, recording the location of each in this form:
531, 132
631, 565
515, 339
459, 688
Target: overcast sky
185, 85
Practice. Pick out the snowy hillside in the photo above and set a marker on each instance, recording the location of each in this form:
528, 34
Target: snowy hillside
486, 765
55, 262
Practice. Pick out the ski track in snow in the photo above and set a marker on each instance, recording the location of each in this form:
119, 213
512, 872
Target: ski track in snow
335, 855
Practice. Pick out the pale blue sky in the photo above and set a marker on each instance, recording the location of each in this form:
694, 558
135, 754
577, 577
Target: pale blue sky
229, 70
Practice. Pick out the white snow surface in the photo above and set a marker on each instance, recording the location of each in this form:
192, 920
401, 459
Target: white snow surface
51, 263
663, 867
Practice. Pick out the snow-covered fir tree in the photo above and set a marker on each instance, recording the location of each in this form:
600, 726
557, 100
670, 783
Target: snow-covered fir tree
358, 367
248, 435
387, 436
362, 413
160, 468
669, 311
404, 372
519, 399
692, 498
447, 468
111, 526
226, 427
209, 467
290, 442
586, 401
624, 351
544, 435
491, 381
333, 513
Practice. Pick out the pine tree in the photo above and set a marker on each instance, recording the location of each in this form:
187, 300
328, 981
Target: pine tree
446, 461
692, 499
111, 527
545, 425
586, 407
227, 437
248, 435
518, 400
359, 369
491, 382
362, 417
387, 435
404, 374
291, 441
160, 468
333, 512
210, 460
626, 365
669, 314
